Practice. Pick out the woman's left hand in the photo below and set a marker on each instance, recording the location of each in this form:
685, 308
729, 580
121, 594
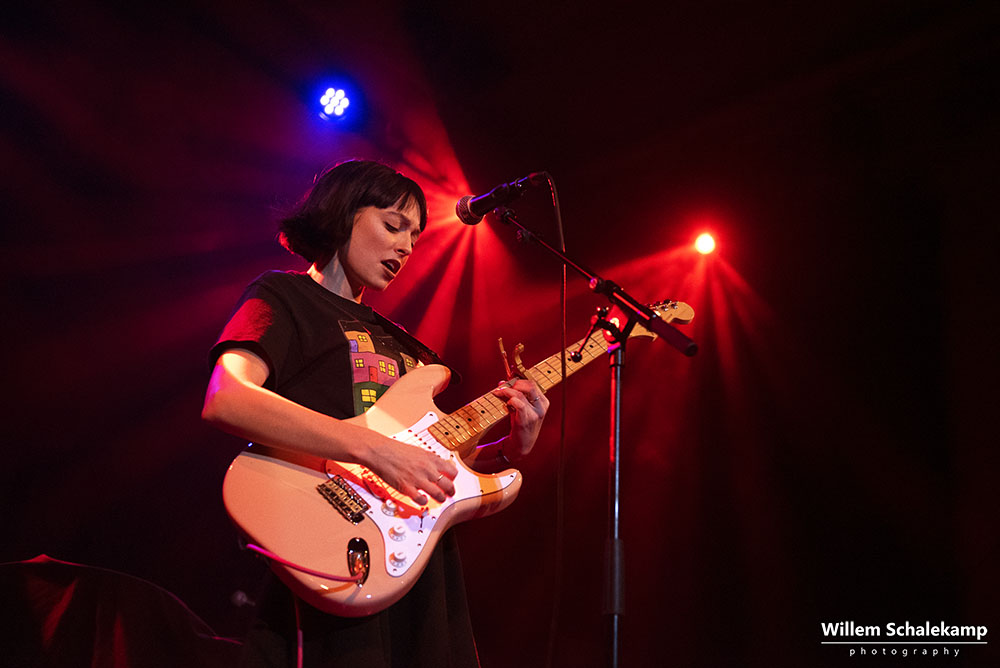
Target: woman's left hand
527, 406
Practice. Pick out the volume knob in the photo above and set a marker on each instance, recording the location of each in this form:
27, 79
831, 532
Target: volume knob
398, 558
389, 507
398, 532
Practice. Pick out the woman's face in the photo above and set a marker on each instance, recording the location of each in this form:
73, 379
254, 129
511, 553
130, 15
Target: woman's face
380, 244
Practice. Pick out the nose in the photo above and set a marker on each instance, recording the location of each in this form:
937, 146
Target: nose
405, 245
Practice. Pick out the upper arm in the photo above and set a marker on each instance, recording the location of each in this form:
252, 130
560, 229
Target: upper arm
242, 365
234, 370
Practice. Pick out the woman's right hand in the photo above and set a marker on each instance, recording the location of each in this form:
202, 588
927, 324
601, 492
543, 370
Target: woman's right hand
412, 470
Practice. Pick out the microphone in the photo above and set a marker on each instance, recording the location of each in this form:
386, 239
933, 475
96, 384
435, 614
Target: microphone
470, 210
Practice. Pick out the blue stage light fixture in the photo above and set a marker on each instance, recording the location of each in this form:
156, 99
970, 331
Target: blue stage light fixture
335, 103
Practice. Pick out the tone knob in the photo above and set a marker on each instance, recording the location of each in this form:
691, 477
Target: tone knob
389, 507
398, 558
398, 532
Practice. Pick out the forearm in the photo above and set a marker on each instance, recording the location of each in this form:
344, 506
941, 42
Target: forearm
237, 403
257, 414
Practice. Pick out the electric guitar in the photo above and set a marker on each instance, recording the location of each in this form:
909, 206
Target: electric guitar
316, 517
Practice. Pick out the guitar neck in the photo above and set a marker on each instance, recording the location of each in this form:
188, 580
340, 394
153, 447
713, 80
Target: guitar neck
476, 417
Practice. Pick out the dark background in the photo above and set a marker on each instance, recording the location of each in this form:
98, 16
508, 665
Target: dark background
828, 455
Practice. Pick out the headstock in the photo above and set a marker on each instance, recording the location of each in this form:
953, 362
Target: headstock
668, 311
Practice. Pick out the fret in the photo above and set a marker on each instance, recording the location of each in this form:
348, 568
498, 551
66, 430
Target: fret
551, 371
458, 425
536, 375
476, 422
490, 408
446, 435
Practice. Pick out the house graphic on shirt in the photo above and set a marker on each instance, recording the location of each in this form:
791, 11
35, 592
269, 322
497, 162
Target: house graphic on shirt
372, 371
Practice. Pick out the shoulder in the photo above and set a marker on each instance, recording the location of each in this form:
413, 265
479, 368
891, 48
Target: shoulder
280, 281
288, 288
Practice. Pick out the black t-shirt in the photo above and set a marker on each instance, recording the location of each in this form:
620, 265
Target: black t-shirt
324, 352
337, 357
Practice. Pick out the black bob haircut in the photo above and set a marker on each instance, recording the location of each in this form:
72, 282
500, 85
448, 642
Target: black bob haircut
319, 226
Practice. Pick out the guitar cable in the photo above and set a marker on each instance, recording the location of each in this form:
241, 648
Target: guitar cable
291, 564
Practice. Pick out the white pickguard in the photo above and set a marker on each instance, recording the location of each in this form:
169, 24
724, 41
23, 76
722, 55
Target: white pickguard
404, 525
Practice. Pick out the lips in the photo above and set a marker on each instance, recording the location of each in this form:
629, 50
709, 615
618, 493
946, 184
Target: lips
392, 265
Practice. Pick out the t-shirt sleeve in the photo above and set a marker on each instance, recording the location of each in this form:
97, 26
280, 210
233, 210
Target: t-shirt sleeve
261, 323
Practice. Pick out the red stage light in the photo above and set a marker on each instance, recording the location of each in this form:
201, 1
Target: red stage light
704, 244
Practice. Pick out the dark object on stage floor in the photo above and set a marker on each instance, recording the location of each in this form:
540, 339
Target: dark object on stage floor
66, 615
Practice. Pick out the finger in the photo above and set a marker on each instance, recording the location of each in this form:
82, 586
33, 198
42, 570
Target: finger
418, 497
527, 387
446, 486
517, 402
520, 408
437, 493
524, 386
448, 468
446, 472
431, 487
441, 471
529, 391
424, 485
507, 393
539, 402
536, 397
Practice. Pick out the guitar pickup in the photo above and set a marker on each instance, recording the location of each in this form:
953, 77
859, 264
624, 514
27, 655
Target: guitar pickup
341, 496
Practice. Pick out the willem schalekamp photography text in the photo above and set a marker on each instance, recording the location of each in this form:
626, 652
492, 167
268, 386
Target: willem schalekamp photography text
902, 640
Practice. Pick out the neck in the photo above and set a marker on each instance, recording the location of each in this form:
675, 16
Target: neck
332, 277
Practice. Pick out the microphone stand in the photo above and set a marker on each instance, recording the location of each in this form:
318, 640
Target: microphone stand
635, 312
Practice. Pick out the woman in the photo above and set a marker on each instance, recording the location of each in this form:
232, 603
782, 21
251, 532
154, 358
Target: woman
284, 374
